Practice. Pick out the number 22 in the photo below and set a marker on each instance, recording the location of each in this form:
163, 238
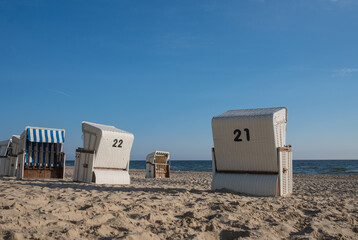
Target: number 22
120, 141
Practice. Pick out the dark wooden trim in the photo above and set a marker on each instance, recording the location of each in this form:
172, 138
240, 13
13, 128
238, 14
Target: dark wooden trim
81, 150
168, 171
114, 169
214, 158
278, 187
40, 167
3, 156
12, 155
247, 172
284, 149
157, 163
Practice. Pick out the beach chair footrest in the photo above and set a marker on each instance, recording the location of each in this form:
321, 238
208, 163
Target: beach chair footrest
35, 173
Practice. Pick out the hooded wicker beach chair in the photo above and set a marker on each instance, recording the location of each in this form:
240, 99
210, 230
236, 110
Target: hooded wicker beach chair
104, 158
40, 153
4, 157
250, 154
157, 165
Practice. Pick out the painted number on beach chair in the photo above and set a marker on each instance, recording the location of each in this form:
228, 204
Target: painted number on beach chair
120, 141
237, 132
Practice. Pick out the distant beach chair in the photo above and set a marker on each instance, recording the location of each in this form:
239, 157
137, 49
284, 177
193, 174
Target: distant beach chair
249, 154
40, 153
104, 158
4, 158
157, 165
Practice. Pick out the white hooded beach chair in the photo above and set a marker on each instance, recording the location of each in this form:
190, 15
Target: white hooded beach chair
40, 153
104, 158
4, 158
157, 165
12, 167
249, 154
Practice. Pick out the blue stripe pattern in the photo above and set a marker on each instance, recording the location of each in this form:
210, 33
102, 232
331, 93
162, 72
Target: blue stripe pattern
28, 133
50, 136
34, 134
27, 156
46, 137
40, 135
58, 137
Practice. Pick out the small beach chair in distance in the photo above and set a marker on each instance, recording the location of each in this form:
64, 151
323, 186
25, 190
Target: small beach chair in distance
14, 149
249, 154
4, 158
40, 153
157, 165
105, 156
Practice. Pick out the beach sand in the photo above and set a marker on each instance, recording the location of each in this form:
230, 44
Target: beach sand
182, 207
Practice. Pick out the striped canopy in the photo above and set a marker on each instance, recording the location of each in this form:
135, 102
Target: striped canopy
45, 135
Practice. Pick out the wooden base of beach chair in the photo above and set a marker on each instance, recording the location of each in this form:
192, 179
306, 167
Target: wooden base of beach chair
36, 173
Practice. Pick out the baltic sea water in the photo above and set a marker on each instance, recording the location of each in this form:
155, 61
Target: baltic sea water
335, 167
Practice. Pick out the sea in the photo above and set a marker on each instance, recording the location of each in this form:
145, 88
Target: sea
336, 167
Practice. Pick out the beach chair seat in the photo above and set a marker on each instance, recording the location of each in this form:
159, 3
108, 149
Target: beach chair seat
40, 153
105, 156
157, 165
249, 154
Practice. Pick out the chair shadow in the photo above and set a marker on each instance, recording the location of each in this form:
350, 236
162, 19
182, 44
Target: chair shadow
64, 184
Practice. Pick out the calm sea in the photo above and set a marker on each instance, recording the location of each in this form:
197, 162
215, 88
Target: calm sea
339, 167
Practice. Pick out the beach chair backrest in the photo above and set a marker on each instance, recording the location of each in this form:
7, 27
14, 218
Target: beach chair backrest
161, 157
247, 140
4, 147
15, 145
111, 145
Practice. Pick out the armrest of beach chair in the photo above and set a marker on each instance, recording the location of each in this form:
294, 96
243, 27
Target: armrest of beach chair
285, 169
84, 160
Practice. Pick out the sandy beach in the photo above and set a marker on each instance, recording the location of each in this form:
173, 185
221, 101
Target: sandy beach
182, 207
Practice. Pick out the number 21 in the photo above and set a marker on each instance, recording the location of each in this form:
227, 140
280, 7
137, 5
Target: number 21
237, 132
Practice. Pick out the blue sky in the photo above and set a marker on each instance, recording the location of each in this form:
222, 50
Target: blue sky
163, 69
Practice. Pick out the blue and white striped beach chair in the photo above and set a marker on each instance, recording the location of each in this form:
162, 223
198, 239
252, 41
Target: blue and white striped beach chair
40, 154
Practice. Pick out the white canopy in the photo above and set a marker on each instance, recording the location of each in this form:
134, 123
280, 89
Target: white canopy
112, 146
247, 139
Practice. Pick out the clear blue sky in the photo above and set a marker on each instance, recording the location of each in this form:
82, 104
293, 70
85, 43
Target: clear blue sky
163, 69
